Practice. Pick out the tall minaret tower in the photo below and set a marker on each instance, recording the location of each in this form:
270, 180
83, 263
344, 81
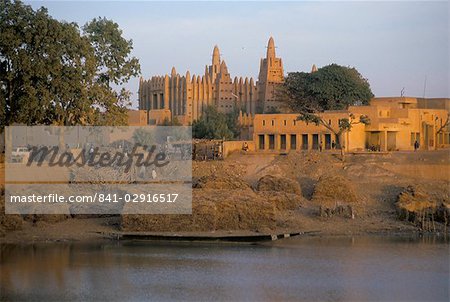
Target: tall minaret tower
214, 69
270, 48
270, 76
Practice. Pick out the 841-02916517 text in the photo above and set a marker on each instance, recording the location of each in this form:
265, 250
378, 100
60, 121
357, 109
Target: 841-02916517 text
161, 197
97, 197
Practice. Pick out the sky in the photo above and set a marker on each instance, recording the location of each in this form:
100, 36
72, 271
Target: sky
395, 45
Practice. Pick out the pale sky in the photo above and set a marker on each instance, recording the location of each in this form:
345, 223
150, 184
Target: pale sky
394, 45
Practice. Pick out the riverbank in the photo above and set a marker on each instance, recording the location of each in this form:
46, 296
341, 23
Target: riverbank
97, 229
236, 196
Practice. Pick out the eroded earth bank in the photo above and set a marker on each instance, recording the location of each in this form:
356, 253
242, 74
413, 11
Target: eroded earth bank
314, 193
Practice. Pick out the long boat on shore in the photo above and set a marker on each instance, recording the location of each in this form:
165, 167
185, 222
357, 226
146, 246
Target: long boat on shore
145, 236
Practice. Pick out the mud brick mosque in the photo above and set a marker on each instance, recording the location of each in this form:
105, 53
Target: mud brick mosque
396, 122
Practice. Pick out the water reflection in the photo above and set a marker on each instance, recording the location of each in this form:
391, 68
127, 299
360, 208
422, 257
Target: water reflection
360, 268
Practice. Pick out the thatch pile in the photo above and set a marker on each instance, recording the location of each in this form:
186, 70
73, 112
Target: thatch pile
336, 196
334, 189
282, 201
211, 210
414, 199
223, 201
278, 184
414, 204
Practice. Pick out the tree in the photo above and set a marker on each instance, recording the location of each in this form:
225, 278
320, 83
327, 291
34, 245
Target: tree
52, 74
232, 122
172, 122
444, 125
114, 67
332, 87
111, 52
45, 68
214, 125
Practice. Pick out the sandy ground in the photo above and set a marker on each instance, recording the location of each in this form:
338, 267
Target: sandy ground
95, 229
378, 179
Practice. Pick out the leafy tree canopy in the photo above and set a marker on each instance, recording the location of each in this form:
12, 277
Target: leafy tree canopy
215, 125
51, 73
111, 52
332, 87
173, 122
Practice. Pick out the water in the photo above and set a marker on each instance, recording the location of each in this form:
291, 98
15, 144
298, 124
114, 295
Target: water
331, 269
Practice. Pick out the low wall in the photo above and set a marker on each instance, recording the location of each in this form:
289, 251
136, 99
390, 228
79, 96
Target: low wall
422, 171
233, 146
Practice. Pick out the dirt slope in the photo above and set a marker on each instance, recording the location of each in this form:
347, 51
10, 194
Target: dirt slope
226, 198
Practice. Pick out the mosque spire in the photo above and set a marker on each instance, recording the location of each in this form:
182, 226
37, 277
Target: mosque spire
223, 67
216, 56
271, 48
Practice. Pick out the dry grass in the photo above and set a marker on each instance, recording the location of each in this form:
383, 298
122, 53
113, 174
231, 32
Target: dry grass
415, 199
278, 184
223, 201
334, 190
416, 205
211, 210
335, 195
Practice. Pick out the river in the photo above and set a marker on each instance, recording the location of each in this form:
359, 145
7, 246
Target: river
309, 268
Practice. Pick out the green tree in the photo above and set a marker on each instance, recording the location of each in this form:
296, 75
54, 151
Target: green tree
232, 122
45, 68
114, 67
332, 87
213, 125
52, 74
173, 122
112, 51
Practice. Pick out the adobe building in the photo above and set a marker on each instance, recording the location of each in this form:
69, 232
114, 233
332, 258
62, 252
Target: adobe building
395, 124
137, 117
186, 97
270, 76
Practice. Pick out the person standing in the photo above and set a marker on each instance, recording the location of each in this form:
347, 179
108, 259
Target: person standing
245, 147
91, 153
142, 171
342, 152
416, 145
